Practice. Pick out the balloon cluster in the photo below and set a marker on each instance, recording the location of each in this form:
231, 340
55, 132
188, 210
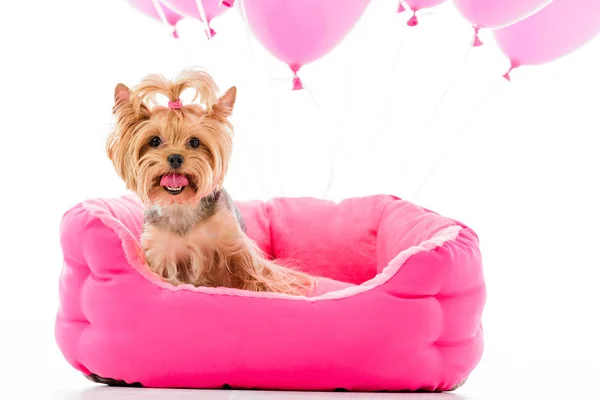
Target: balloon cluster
298, 32
170, 12
533, 32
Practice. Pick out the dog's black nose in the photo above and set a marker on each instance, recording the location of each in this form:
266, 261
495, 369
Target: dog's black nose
175, 160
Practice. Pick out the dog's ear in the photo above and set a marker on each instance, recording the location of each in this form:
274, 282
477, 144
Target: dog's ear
121, 94
120, 141
124, 106
119, 148
224, 106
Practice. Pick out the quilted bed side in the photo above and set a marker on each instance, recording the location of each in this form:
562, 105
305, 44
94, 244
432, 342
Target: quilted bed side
450, 276
71, 321
462, 298
92, 255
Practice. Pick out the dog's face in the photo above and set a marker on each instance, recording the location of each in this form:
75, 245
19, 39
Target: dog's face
170, 155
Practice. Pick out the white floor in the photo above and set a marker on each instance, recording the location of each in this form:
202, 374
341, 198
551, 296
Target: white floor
31, 366
475, 392
133, 394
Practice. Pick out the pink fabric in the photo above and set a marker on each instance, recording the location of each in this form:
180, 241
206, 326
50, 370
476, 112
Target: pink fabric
399, 308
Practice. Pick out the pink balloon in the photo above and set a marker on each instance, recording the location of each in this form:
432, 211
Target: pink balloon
148, 7
555, 31
299, 32
498, 14
189, 8
416, 5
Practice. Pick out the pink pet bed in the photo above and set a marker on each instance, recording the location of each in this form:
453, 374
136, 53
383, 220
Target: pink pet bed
400, 309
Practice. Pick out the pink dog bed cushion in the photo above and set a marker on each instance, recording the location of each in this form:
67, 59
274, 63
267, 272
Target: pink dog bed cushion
399, 308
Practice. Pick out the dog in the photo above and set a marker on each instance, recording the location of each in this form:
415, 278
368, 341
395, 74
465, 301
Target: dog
175, 158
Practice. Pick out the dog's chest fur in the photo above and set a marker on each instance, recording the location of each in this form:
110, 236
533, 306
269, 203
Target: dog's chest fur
180, 236
180, 219
183, 237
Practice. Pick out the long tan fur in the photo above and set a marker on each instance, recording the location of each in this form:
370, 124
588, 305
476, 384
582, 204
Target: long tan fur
194, 237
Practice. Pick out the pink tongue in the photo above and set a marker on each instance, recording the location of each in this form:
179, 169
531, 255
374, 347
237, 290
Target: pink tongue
174, 180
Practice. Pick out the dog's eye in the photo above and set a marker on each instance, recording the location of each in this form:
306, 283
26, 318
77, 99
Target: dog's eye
194, 143
154, 142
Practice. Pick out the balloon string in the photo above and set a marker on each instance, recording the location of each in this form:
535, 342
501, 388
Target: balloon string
385, 110
463, 133
331, 147
370, 148
332, 143
207, 29
455, 78
278, 145
163, 18
254, 154
340, 144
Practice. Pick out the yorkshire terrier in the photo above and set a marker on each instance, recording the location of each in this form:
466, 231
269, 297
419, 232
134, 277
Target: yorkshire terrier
175, 158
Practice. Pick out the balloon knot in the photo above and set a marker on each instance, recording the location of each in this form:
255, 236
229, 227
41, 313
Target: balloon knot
297, 83
513, 65
413, 21
226, 3
211, 33
476, 40
401, 8
175, 34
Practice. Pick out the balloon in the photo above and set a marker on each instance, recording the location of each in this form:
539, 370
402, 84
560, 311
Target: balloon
416, 5
560, 28
195, 8
497, 14
155, 10
299, 32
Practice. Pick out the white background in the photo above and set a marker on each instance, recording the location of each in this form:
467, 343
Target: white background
517, 162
